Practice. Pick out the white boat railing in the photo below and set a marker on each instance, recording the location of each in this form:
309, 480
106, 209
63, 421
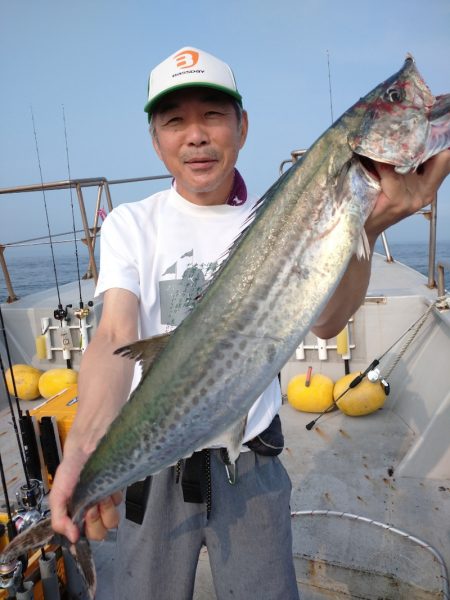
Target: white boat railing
90, 232
103, 187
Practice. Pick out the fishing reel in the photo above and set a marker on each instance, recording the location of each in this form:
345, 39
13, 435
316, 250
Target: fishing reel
29, 500
83, 311
61, 313
374, 375
11, 576
30, 496
23, 520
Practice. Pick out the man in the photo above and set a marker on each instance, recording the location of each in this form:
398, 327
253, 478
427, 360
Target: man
156, 256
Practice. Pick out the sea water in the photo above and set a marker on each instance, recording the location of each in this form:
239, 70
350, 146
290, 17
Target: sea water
30, 273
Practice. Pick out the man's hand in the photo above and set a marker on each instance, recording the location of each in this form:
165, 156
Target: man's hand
99, 518
403, 195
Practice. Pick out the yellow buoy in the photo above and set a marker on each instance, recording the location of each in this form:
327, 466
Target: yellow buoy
27, 381
55, 380
315, 397
363, 399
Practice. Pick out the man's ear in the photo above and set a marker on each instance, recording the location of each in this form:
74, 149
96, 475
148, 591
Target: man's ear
155, 142
244, 128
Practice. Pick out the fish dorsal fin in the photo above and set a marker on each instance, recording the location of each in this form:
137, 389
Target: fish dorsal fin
145, 351
256, 209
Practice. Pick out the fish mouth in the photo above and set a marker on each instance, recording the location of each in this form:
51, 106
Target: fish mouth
368, 164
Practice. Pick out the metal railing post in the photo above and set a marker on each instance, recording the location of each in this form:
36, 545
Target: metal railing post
11, 295
432, 245
87, 232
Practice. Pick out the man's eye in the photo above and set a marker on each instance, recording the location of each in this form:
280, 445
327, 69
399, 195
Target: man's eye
172, 121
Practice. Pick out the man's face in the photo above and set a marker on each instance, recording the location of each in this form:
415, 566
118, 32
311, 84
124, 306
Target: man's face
198, 137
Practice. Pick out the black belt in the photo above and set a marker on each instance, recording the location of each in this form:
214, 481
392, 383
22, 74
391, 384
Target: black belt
195, 473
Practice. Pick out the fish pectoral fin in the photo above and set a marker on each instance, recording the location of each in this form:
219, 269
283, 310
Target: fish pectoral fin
363, 247
40, 534
84, 562
234, 439
145, 351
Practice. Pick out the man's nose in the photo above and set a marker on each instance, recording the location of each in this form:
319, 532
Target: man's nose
196, 134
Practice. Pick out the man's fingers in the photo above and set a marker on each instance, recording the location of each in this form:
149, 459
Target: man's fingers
109, 513
94, 528
61, 522
102, 517
117, 498
64, 525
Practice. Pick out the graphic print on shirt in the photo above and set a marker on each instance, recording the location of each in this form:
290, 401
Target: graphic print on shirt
180, 284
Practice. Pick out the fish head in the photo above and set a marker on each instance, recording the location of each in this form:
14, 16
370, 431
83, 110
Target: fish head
403, 123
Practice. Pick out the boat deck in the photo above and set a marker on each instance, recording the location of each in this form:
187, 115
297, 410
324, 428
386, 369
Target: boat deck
369, 493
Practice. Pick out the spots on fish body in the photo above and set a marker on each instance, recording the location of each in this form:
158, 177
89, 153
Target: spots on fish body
271, 353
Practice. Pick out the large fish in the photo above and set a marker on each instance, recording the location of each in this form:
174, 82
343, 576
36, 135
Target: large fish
200, 381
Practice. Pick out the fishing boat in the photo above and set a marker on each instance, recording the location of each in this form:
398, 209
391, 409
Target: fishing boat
371, 493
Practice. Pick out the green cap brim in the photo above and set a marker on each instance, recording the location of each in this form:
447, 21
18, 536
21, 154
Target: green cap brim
149, 107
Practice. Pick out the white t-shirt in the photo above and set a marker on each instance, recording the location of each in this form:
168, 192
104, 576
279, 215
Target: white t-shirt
164, 249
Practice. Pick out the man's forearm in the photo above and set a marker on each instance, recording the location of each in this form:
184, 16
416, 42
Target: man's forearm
346, 299
104, 385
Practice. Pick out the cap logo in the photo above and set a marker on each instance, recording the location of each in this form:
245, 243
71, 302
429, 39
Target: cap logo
186, 59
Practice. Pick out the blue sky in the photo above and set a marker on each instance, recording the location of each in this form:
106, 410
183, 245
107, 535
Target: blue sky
93, 58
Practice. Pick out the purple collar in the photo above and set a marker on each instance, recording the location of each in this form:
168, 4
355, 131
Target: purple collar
238, 194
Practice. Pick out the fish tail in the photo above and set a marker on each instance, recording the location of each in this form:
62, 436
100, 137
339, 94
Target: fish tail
84, 562
40, 534
37, 535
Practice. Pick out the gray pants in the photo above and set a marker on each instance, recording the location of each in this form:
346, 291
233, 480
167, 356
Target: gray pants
248, 536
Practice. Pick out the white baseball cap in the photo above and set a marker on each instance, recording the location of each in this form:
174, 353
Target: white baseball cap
190, 67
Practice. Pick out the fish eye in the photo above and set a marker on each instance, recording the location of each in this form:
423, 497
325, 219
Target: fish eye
394, 94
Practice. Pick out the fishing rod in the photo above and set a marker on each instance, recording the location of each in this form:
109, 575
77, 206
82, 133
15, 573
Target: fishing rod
8, 395
329, 87
11, 575
357, 380
30, 495
83, 311
72, 209
59, 313
10, 527
372, 372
